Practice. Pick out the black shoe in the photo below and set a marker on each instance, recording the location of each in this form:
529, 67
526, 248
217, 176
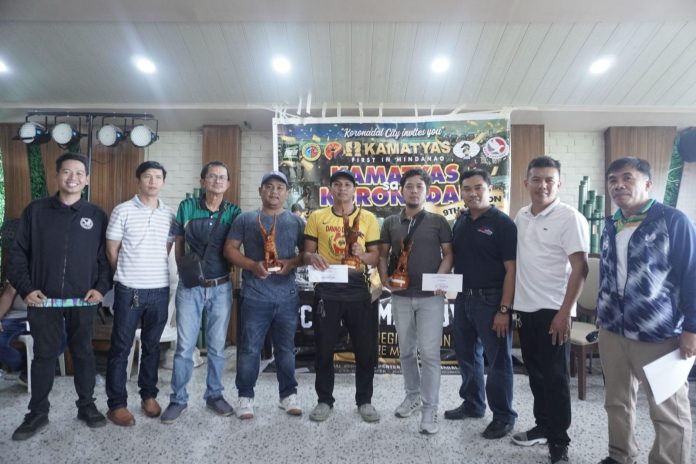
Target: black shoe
610, 460
497, 429
534, 436
558, 454
461, 412
91, 416
32, 423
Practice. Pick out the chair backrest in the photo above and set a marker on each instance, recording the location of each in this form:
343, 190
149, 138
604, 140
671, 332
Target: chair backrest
588, 296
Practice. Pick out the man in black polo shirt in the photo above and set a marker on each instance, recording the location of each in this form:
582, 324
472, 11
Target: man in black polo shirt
485, 245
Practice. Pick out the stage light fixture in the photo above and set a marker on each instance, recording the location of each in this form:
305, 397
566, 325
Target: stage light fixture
110, 135
64, 134
33, 133
142, 136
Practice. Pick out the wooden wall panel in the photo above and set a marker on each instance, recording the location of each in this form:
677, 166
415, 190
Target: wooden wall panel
224, 143
651, 143
14, 157
112, 179
527, 142
687, 191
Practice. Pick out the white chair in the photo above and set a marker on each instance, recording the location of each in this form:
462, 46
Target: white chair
28, 341
580, 348
169, 334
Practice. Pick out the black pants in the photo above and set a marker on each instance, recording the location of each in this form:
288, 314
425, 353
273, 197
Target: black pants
47, 326
360, 318
549, 374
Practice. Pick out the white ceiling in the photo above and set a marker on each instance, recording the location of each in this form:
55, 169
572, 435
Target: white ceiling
213, 59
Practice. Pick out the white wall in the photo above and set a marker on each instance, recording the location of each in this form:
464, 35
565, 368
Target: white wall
580, 153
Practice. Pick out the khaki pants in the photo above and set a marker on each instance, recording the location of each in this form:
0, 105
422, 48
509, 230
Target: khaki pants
622, 362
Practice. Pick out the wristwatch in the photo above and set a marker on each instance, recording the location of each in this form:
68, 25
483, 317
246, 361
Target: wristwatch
504, 309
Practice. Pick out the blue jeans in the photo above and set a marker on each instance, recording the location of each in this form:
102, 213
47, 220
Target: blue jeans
257, 318
9, 356
132, 306
190, 304
473, 335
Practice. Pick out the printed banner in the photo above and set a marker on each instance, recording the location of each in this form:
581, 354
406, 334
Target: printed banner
378, 152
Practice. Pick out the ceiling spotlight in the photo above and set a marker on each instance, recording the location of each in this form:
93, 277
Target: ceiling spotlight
33, 133
440, 64
110, 135
3, 67
64, 134
142, 136
144, 65
281, 65
601, 65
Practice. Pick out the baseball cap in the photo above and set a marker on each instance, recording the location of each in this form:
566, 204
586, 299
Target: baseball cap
274, 175
342, 173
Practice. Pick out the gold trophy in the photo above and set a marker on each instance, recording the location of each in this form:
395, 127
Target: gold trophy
400, 277
270, 254
351, 234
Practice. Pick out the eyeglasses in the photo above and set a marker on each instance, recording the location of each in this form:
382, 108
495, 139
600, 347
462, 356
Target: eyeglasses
214, 178
274, 188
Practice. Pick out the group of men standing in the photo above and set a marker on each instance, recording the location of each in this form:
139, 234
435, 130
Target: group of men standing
66, 251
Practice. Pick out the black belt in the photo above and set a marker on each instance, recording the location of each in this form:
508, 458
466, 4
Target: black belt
215, 282
480, 291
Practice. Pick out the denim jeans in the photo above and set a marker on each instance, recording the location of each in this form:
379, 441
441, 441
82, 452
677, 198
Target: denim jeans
419, 328
132, 306
9, 356
473, 335
257, 318
190, 304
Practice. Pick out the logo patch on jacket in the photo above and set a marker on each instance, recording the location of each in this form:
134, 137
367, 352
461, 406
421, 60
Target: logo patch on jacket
86, 223
485, 230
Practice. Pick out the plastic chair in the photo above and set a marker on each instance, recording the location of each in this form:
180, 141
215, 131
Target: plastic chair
28, 341
580, 348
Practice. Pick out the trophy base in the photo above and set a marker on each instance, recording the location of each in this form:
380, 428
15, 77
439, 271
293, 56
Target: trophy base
273, 269
352, 262
399, 282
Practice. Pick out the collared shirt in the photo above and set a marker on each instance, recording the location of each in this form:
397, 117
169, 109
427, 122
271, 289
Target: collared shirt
481, 246
144, 233
426, 254
195, 222
544, 243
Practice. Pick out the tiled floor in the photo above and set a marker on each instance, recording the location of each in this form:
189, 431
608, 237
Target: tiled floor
275, 438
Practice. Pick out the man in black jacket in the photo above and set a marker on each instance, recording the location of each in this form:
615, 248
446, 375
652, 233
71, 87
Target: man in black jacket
58, 266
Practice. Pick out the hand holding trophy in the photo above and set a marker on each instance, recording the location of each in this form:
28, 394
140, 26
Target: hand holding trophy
400, 277
351, 234
270, 254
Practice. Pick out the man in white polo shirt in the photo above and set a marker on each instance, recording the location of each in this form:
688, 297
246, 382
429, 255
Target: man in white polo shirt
552, 246
137, 244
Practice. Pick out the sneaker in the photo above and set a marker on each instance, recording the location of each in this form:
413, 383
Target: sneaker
22, 379
245, 408
428, 424
463, 411
558, 454
151, 407
172, 413
610, 460
496, 429
408, 406
91, 416
290, 405
534, 436
320, 413
32, 423
121, 416
368, 413
219, 406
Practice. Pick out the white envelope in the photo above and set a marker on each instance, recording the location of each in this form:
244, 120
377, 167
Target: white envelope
668, 374
336, 273
447, 282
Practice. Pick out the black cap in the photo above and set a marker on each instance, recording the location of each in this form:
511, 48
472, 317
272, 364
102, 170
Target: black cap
342, 173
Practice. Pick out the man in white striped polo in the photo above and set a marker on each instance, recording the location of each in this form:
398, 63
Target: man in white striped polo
137, 244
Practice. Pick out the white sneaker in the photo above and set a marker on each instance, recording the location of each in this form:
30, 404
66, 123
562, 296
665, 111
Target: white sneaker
290, 405
245, 408
408, 406
428, 424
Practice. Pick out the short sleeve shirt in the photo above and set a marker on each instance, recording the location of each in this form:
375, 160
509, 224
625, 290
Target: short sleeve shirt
426, 252
289, 230
482, 246
544, 243
326, 229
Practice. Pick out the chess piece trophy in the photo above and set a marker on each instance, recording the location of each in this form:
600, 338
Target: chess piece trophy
400, 277
270, 254
351, 234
